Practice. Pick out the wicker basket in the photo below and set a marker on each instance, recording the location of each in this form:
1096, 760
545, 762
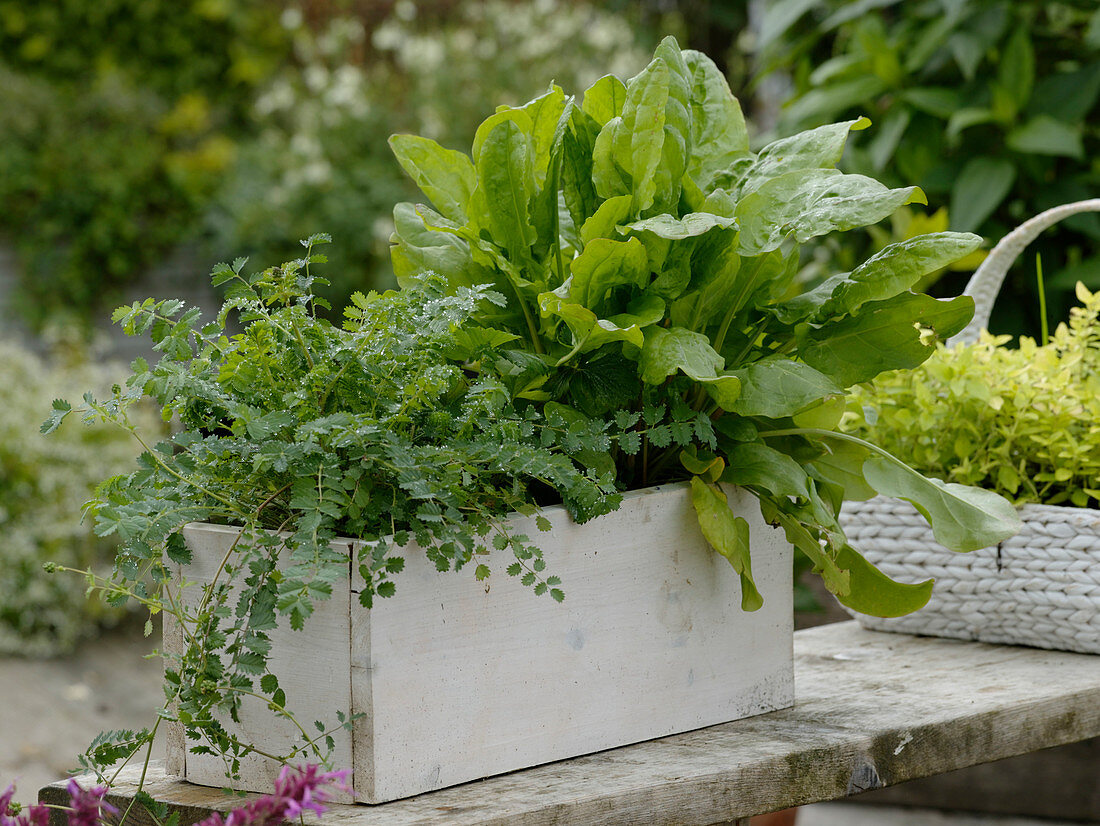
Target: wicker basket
1039, 588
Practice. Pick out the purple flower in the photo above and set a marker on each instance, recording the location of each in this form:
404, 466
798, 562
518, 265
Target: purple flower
31, 816
296, 790
86, 805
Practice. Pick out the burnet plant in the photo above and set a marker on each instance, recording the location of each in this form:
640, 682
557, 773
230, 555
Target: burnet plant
599, 298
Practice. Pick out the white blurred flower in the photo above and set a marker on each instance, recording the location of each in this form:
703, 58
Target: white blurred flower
405, 10
316, 77
291, 18
387, 37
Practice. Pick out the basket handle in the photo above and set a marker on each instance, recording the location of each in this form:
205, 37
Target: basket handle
986, 281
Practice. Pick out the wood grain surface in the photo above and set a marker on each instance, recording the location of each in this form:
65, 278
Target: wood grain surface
871, 710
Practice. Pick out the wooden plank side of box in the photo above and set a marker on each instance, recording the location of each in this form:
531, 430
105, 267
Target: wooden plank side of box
312, 666
459, 680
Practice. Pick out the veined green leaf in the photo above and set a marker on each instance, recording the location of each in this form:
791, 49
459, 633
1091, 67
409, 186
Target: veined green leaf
545, 112
606, 218
812, 202
677, 146
608, 177
819, 148
718, 136
715, 270
677, 229
418, 248
589, 331
898, 333
578, 190
755, 465
842, 466
727, 534
778, 387
962, 518
604, 99
875, 594
507, 181
668, 350
519, 117
835, 579
447, 177
605, 264
895, 269
633, 149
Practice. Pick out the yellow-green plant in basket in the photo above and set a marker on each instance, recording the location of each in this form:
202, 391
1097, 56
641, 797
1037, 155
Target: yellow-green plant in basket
1023, 421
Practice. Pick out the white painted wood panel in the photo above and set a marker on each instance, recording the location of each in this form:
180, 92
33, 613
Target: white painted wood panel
463, 679
313, 667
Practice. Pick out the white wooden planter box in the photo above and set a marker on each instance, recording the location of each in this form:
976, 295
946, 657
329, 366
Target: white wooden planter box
459, 679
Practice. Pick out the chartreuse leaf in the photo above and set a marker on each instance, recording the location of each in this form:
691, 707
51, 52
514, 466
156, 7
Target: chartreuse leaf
819, 148
606, 218
545, 112
778, 387
842, 465
875, 594
577, 189
898, 333
718, 133
668, 177
419, 248
727, 534
605, 264
447, 177
604, 99
591, 332
807, 203
519, 117
506, 174
628, 148
677, 229
962, 518
702, 463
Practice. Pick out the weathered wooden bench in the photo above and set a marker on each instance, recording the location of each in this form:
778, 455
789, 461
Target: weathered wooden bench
872, 710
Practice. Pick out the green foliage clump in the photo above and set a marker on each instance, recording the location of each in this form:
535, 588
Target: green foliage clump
44, 485
1020, 421
118, 120
988, 106
401, 426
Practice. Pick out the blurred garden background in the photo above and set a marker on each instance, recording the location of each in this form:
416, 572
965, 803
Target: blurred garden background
142, 141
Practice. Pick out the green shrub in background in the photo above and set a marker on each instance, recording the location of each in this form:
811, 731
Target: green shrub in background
44, 484
1019, 421
117, 120
321, 159
988, 105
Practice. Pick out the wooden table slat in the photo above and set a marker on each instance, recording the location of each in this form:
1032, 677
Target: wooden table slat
871, 710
